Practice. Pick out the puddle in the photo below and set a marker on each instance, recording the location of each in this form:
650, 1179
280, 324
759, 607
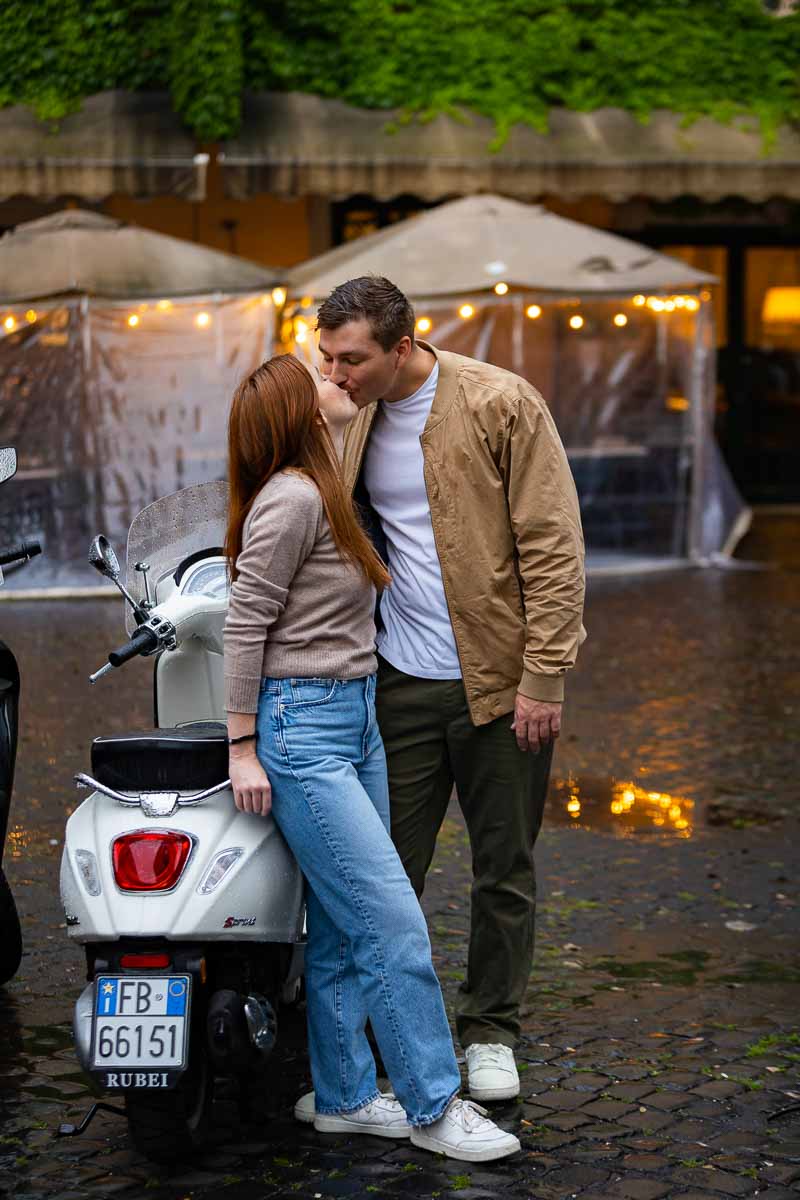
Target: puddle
680, 968
619, 806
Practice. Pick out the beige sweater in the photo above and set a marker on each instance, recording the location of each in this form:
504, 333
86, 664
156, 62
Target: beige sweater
296, 609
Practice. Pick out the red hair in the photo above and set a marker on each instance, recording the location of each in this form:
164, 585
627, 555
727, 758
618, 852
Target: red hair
275, 424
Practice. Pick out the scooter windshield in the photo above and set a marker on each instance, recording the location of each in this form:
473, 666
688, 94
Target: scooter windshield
169, 530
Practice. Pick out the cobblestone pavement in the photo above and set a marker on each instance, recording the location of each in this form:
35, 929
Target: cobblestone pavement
662, 1036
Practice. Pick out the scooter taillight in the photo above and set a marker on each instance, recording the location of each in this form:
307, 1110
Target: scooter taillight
150, 862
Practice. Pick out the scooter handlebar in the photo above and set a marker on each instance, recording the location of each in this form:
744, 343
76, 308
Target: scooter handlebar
21, 553
143, 641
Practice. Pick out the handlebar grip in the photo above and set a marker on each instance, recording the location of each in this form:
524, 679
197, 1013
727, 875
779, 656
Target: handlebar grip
22, 552
142, 641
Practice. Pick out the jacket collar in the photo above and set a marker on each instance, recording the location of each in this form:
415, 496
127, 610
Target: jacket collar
446, 385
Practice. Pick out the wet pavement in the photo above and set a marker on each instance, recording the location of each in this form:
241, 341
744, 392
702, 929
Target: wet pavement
662, 1022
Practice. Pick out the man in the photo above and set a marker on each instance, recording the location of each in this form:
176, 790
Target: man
458, 466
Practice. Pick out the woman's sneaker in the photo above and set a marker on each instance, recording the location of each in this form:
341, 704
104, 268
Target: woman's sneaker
464, 1132
383, 1117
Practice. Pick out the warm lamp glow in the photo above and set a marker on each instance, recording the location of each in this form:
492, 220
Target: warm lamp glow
692, 305
10, 324
279, 297
307, 301
133, 320
781, 306
576, 322
424, 325
202, 320
620, 320
501, 288
164, 305
466, 311
300, 330
30, 316
639, 301
533, 311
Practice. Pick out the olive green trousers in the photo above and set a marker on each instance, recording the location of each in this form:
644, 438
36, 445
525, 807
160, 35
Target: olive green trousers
431, 744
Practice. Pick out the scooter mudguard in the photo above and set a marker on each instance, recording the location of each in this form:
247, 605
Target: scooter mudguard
258, 898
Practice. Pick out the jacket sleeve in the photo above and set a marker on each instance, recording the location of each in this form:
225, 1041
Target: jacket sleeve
279, 535
546, 526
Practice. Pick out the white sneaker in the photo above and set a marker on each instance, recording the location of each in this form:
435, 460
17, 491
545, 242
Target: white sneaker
465, 1133
492, 1071
384, 1117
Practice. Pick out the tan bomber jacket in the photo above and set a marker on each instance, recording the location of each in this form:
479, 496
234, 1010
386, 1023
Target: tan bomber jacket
507, 530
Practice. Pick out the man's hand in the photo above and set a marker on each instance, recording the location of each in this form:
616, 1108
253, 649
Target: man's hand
251, 787
536, 722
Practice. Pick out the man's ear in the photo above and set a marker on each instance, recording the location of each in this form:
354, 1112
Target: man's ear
403, 349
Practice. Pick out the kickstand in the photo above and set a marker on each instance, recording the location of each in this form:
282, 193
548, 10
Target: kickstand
73, 1130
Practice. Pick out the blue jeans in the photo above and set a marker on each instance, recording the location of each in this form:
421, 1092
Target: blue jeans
368, 952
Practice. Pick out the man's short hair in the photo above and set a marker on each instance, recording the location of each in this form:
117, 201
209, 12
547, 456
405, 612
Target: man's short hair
374, 299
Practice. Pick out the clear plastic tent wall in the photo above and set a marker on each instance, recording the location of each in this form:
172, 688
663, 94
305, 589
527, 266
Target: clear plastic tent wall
630, 383
110, 406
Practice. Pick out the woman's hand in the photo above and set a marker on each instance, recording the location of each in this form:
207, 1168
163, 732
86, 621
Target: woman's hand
251, 787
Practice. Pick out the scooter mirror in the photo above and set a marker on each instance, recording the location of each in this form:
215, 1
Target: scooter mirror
8, 463
102, 556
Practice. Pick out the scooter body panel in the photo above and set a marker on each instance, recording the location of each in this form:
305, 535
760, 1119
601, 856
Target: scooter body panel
9, 721
259, 899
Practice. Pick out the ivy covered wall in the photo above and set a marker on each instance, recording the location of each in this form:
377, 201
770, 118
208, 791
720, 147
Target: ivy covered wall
511, 60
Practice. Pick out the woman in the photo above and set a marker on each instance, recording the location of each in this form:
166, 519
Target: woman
304, 744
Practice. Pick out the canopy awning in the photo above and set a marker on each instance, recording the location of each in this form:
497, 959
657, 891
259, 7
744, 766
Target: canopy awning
293, 144
87, 253
124, 142
471, 244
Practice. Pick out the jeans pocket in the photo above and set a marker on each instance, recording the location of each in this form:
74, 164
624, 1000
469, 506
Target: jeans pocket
310, 693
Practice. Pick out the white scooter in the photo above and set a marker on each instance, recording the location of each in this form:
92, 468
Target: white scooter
191, 913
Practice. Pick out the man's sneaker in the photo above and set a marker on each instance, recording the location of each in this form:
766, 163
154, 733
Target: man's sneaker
492, 1071
464, 1132
383, 1117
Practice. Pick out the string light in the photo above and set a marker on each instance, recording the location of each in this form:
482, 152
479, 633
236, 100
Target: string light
639, 301
466, 311
424, 324
30, 316
133, 320
669, 305
300, 330
164, 305
533, 311
278, 297
202, 320
576, 322
501, 288
620, 320
10, 324
692, 305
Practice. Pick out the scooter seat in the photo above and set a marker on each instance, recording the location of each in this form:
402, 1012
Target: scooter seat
186, 759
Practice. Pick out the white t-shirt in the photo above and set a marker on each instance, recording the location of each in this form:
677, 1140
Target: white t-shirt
417, 636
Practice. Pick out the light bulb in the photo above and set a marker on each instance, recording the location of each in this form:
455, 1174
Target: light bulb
620, 320
501, 288
30, 316
202, 320
639, 301
424, 324
533, 311
576, 322
278, 297
133, 320
10, 324
466, 311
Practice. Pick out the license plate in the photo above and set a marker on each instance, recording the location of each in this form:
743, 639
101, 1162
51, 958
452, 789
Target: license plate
140, 1022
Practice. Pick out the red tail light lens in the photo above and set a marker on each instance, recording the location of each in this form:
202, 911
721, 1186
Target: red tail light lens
150, 862
145, 961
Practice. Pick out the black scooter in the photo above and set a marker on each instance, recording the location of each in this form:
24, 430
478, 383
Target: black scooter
10, 934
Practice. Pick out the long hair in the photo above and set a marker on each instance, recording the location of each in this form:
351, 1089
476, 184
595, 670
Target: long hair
275, 424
